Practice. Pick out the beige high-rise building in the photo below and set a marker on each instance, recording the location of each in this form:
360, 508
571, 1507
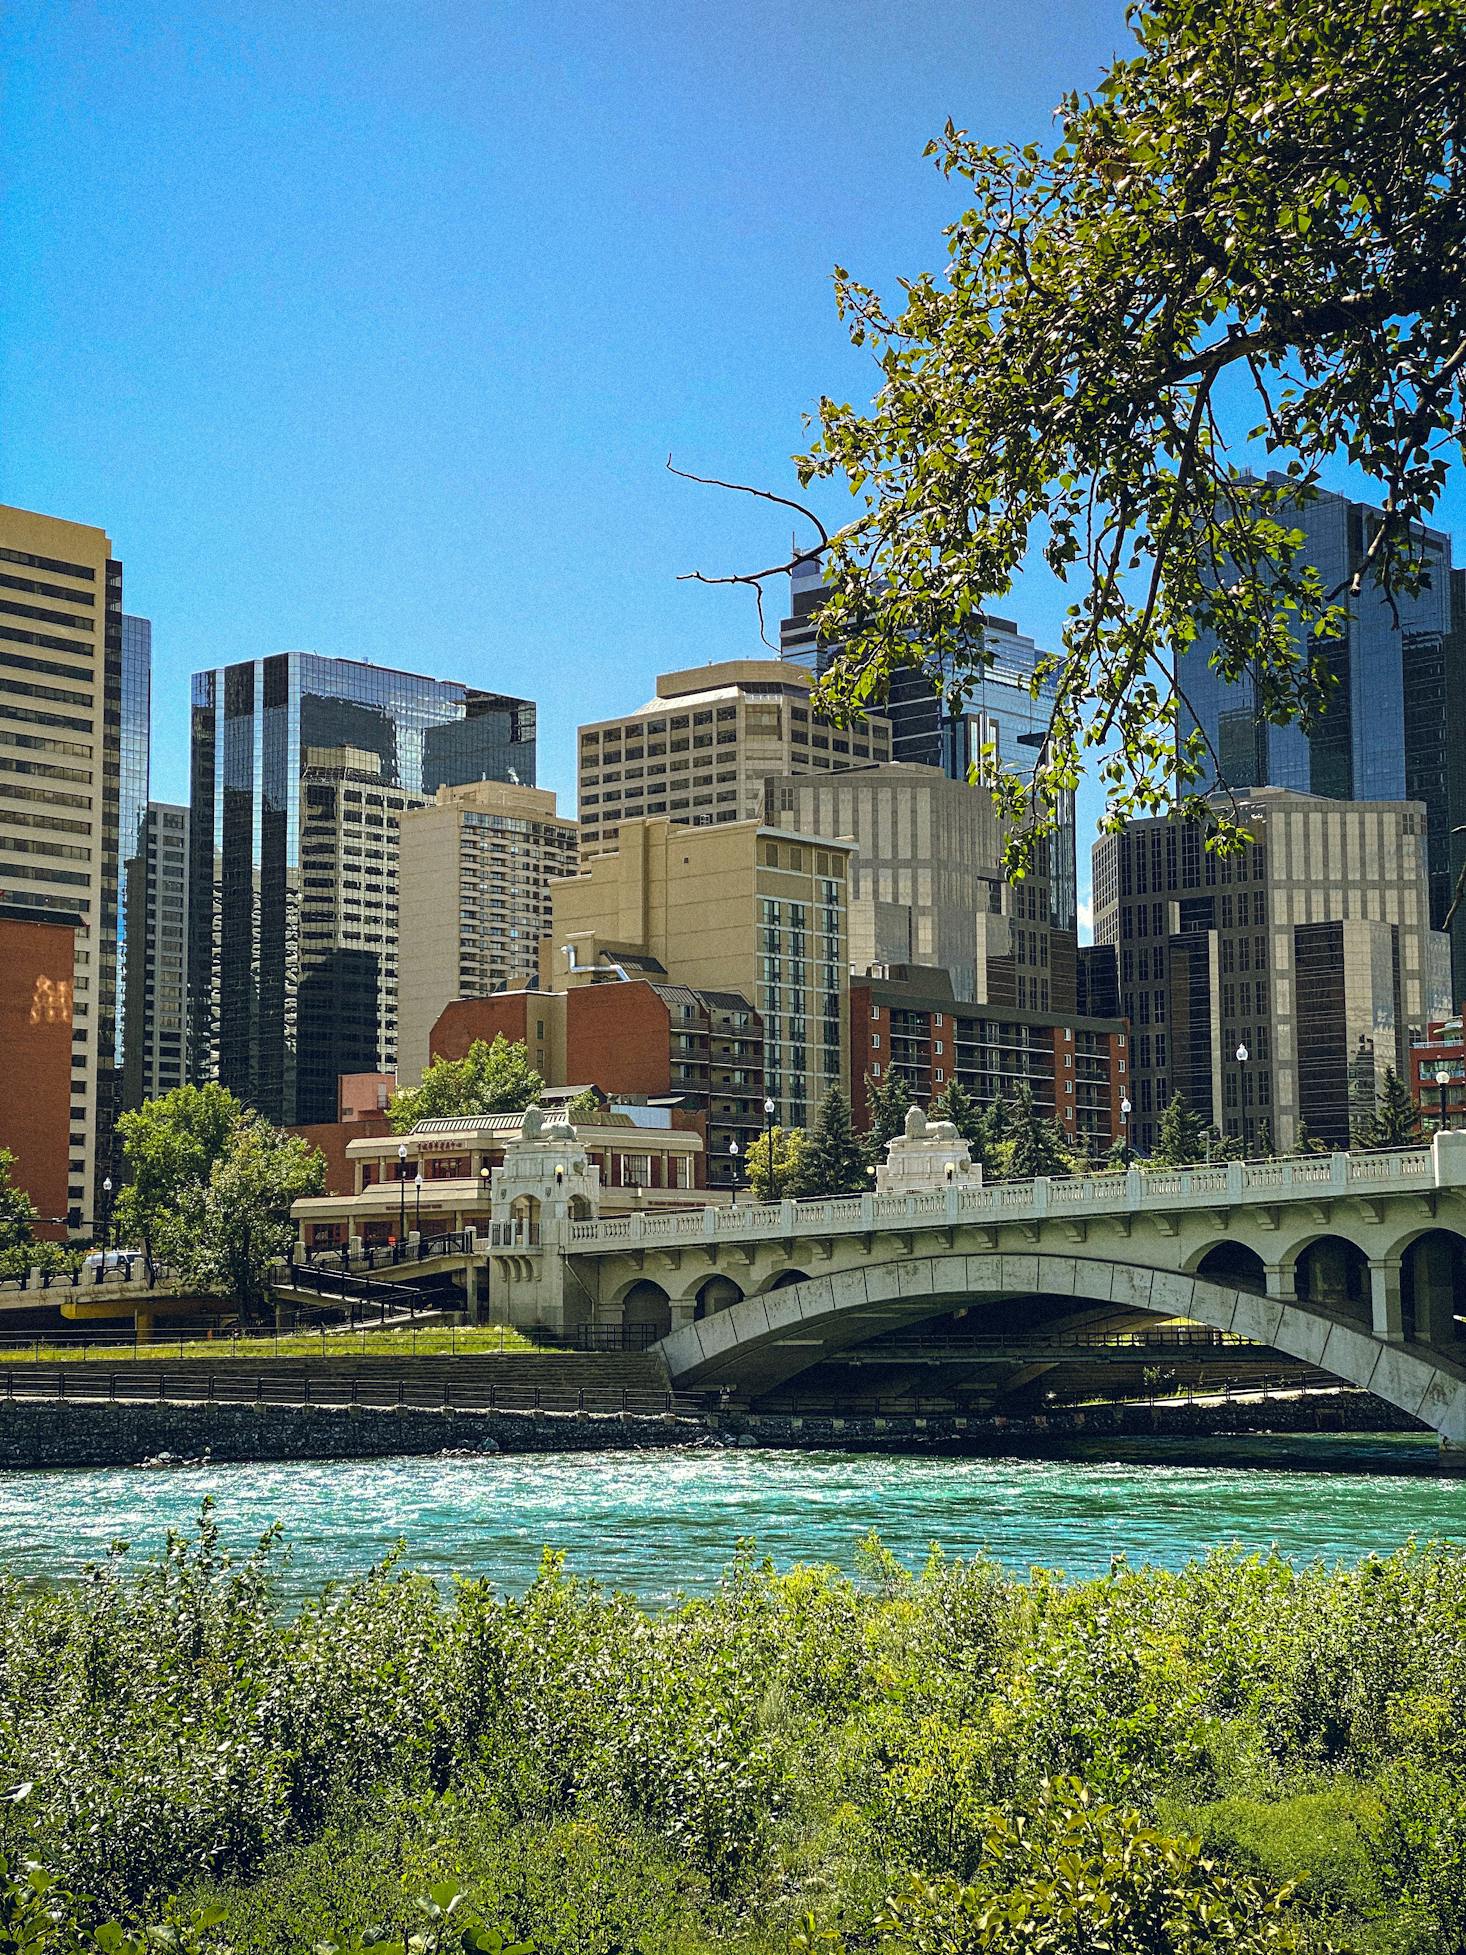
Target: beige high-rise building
927, 886
350, 830
743, 909
476, 868
61, 710
1276, 984
700, 751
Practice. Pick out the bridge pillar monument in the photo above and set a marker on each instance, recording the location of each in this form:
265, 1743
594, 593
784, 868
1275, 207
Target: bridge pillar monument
925, 1157
547, 1183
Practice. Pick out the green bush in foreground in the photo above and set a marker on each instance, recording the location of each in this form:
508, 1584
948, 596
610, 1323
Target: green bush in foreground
1241, 1755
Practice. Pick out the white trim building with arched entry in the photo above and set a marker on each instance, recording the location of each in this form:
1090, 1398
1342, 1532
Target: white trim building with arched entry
639, 1169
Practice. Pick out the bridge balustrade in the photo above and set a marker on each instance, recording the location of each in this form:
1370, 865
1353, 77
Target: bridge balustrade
1140, 1187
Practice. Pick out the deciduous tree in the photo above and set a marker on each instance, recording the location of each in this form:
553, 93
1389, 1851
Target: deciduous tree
238, 1223
492, 1077
777, 1174
169, 1148
1249, 240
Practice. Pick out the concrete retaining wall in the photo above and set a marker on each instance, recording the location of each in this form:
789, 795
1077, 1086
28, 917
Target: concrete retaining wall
46, 1432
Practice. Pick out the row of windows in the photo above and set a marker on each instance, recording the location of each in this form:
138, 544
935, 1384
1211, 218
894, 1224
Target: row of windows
49, 563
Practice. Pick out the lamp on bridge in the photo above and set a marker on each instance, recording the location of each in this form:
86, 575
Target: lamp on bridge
401, 1189
951, 1172
106, 1207
417, 1201
1242, 1056
733, 1157
1443, 1080
483, 1180
769, 1111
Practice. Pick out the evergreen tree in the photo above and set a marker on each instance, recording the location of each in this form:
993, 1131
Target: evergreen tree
889, 1100
1121, 1154
956, 1104
998, 1121
1305, 1142
1182, 1140
1396, 1121
1262, 1144
833, 1161
1033, 1145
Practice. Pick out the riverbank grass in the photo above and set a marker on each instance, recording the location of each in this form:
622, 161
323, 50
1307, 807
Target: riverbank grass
433, 1341
1244, 1756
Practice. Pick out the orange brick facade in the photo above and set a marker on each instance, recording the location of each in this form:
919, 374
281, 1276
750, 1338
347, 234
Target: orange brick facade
36, 974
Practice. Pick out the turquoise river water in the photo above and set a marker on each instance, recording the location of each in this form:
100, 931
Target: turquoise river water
662, 1522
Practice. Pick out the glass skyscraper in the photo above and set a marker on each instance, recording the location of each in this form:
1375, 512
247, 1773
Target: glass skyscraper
132, 832
1395, 722
264, 1003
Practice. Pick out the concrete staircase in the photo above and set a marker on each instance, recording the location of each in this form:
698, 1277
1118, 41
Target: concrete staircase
516, 1381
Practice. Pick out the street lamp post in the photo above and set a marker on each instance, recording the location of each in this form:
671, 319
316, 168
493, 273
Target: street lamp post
1443, 1080
1242, 1056
106, 1209
401, 1190
769, 1110
1125, 1111
417, 1201
733, 1157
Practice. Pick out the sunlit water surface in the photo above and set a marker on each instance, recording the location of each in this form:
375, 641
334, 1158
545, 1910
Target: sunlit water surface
660, 1522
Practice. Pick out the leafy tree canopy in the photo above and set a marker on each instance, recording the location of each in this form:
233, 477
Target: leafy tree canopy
1251, 238
169, 1147
238, 1222
17, 1210
490, 1078
784, 1180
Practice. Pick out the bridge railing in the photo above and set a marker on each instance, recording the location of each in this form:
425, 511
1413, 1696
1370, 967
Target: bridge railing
1117, 1192
120, 1272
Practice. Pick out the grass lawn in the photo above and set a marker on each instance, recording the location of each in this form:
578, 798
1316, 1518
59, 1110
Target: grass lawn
437, 1341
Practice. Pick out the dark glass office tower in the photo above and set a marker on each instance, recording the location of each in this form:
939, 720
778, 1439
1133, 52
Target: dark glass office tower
132, 831
259, 730
998, 709
1395, 722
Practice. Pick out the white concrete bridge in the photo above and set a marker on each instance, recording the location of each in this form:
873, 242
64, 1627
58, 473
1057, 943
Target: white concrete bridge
1353, 1264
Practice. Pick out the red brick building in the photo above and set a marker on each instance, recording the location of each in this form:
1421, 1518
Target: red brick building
37, 965
909, 1023
636, 1038
1441, 1050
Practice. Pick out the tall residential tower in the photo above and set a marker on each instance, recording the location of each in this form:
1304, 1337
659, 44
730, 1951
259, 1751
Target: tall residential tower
62, 709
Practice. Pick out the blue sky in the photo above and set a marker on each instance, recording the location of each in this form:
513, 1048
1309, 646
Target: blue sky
369, 329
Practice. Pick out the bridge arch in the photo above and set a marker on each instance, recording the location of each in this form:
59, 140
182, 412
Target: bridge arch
750, 1347
647, 1306
1231, 1262
719, 1292
784, 1279
1330, 1271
